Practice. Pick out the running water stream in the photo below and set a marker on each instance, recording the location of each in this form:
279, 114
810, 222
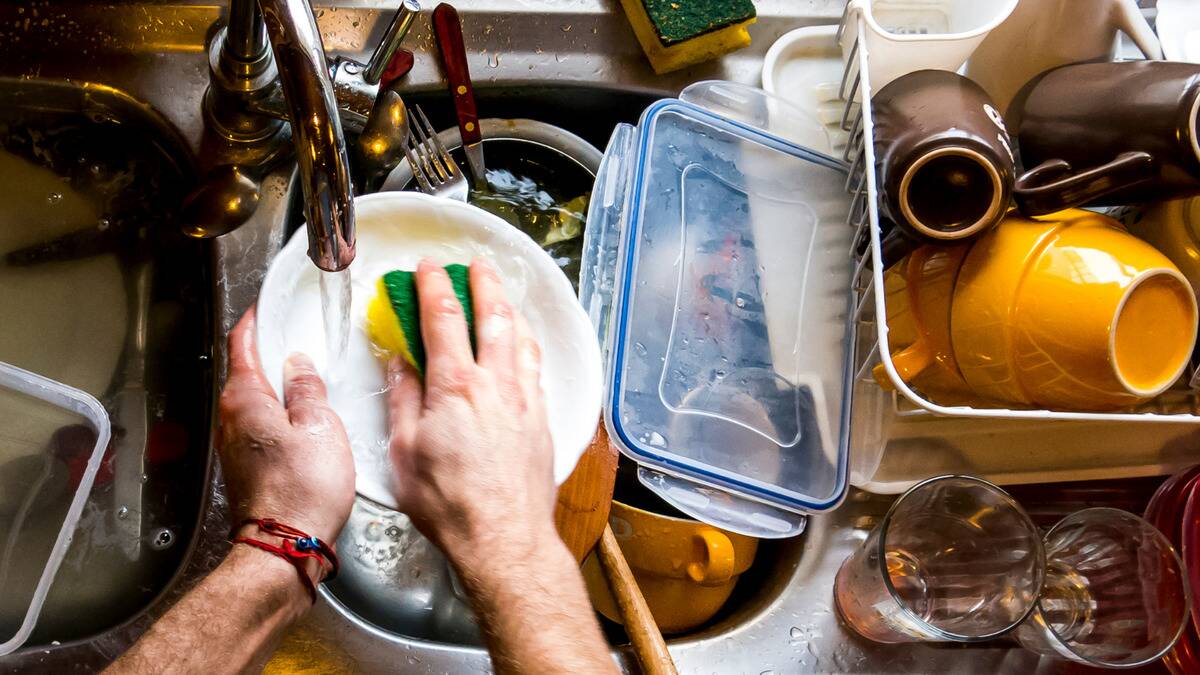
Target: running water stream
335, 310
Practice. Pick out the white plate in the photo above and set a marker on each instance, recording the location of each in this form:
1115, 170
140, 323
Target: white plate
395, 231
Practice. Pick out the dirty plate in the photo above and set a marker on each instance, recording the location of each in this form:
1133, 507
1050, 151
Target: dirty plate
395, 231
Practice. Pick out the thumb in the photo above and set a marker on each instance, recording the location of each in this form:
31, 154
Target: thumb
304, 393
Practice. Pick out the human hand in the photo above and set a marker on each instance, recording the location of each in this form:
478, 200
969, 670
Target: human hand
288, 461
471, 449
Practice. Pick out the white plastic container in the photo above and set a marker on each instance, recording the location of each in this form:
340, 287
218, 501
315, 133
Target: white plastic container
905, 36
32, 410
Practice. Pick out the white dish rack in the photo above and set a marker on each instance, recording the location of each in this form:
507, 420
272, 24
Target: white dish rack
1176, 406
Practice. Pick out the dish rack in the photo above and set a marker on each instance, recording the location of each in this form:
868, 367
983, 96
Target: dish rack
1178, 405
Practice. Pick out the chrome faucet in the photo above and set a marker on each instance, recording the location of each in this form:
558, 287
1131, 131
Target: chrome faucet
271, 83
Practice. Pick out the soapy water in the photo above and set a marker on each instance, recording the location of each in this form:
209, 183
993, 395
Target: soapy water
60, 165
554, 222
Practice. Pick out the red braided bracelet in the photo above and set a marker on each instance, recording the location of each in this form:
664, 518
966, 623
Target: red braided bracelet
297, 547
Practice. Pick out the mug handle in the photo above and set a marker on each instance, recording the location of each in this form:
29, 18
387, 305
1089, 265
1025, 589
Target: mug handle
1050, 186
909, 363
714, 558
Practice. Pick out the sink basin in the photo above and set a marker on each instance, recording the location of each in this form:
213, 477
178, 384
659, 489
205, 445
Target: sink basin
393, 579
103, 293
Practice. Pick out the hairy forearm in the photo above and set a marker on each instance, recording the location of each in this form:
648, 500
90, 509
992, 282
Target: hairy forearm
231, 621
532, 606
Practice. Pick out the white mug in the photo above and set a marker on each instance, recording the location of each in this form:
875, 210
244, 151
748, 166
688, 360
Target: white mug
1042, 34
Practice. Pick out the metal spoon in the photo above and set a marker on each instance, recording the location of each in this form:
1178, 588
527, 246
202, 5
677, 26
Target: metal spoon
381, 144
226, 199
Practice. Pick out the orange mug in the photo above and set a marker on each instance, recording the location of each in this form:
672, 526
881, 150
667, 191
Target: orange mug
684, 568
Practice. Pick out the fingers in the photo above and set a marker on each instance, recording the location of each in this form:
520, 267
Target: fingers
528, 364
245, 369
495, 332
404, 401
443, 325
304, 393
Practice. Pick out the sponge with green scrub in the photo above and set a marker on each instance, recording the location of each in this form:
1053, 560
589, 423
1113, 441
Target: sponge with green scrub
680, 33
394, 316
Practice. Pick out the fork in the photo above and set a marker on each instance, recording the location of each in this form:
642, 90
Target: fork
434, 169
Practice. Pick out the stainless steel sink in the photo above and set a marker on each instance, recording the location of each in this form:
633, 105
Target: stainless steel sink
92, 181
569, 62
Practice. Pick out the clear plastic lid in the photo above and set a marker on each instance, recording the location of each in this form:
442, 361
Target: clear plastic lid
729, 325
52, 440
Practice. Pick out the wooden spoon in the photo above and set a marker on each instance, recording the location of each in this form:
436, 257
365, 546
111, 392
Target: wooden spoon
582, 518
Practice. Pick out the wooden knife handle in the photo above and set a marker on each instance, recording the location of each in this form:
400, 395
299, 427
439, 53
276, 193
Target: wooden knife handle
647, 639
448, 29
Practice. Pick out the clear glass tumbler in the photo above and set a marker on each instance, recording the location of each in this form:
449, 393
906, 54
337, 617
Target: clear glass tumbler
955, 559
1116, 594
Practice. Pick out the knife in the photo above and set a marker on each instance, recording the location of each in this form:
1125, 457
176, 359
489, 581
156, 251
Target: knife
448, 28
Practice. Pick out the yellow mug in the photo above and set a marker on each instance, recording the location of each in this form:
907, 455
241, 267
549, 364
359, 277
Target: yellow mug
919, 290
1065, 311
1070, 311
684, 568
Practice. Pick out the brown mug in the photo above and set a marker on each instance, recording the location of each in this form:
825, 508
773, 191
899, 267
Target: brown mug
943, 156
1107, 134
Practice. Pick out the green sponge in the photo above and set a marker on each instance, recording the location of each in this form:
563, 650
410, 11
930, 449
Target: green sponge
679, 33
394, 316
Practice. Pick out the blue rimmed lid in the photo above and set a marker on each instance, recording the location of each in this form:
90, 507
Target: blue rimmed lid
729, 325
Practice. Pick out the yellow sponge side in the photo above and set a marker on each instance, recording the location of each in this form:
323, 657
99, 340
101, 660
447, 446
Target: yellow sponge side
383, 326
665, 59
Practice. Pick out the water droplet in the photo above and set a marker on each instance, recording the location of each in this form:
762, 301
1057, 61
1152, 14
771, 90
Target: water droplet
145, 478
639, 348
796, 633
123, 512
373, 531
493, 61
103, 224
162, 539
393, 532
54, 198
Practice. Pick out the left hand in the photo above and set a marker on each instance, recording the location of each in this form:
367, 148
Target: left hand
289, 461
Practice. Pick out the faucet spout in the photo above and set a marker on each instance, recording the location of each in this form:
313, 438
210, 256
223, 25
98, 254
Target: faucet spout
316, 131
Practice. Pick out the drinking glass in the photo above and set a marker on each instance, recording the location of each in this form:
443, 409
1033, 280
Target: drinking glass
1116, 595
955, 559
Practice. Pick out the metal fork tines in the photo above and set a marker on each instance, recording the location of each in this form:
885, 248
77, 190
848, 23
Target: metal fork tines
433, 168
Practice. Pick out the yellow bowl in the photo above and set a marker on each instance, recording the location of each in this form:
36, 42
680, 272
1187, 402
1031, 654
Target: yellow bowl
684, 568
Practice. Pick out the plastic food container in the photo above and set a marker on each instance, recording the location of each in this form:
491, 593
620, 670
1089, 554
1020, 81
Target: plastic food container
717, 270
42, 423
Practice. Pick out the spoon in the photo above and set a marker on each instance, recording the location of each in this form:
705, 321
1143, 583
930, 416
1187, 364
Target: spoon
226, 199
381, 143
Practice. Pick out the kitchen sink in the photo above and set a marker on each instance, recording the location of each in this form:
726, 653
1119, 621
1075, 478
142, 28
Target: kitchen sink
132, 75
103, 292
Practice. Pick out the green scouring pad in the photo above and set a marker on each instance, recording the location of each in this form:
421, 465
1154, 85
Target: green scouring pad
679, 33
394, 317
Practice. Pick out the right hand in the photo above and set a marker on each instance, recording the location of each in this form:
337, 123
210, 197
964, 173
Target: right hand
471, 449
